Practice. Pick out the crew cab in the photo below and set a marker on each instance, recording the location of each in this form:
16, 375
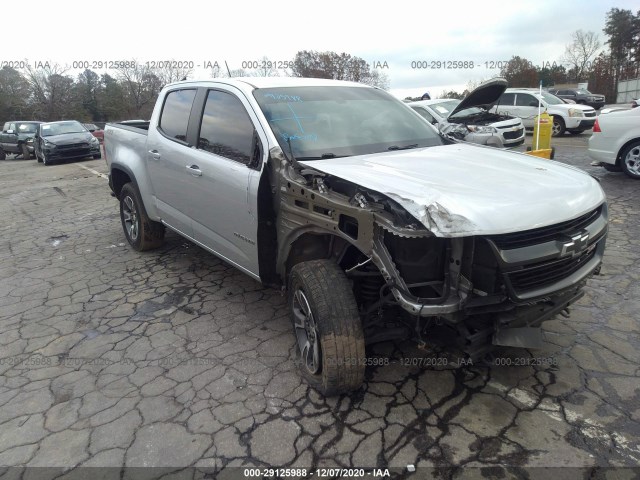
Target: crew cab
524, 103
17, 137
375, 225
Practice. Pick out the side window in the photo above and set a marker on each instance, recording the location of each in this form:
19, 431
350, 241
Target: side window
525, 100
226, 128
506, 99
426, 115
175, 113
12, 126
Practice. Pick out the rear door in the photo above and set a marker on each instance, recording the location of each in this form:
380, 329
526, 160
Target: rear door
227, 164
526, 107
167, 154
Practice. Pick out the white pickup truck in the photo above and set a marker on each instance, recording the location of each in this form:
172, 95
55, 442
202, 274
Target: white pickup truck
376, 226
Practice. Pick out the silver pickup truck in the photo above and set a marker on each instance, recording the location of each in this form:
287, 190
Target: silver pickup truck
376, 226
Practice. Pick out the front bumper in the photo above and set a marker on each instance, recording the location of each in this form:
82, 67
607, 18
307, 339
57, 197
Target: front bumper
72, 152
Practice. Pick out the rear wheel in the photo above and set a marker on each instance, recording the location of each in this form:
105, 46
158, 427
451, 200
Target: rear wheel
630, 161
558, 126
141, 232
327, 327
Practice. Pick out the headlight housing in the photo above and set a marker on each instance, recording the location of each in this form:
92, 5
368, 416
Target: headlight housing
482, 129
574, 112
95, 141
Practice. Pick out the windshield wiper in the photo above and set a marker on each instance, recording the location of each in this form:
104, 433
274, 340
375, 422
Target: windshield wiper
324, 156
406, 147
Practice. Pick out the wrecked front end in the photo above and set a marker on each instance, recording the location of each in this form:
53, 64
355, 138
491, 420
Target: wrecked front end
408, 275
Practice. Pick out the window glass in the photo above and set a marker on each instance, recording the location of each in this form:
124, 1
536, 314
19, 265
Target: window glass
525, 100
319, 122
507, 99
27, 127
424, 114
226, 128
175, 113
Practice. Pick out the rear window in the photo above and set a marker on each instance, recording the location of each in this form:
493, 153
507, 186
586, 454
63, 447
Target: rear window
175, 113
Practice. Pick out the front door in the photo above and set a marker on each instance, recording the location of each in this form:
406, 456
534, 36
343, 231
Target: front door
227, 166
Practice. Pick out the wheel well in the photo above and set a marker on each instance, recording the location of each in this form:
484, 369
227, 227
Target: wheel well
315, 246
619, 156
119, 179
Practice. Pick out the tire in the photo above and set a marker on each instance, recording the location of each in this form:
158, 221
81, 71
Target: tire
576, 132
45, 161
630, 161
3, 156
26, 155
611, 168
96, 157
141, 232
558, 127
324, 314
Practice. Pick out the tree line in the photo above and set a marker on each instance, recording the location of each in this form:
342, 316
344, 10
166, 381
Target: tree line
585, 59
50, 93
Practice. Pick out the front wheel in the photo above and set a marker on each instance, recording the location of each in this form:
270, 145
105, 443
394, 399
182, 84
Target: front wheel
141, 232
327, 327
558, 126
45, 160
630, 161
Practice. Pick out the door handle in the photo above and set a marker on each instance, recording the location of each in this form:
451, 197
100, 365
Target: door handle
194, 170
155, 154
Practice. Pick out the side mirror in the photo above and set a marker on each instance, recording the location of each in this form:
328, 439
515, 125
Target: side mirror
10, 132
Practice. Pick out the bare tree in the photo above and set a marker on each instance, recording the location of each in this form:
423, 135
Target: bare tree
266, 68
579, 53
53, 95
172, 71
141, 87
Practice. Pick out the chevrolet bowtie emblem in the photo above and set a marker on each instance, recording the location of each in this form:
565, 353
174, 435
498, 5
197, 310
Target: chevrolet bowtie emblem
576, 245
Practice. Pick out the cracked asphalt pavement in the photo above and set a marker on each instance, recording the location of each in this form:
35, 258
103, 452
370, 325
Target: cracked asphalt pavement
171, 358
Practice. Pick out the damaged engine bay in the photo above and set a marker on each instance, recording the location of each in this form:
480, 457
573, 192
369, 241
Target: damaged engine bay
413, 270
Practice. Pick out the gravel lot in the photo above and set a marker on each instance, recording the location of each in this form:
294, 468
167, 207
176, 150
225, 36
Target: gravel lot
172, 358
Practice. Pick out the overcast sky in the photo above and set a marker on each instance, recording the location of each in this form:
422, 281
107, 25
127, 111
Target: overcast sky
395, 32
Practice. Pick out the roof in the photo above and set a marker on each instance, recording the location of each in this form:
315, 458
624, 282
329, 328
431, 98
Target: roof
272, 82
433, 101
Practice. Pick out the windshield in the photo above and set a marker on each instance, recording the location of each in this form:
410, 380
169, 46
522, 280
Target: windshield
27, 127
327, 122
583, 92
62, 128
445, 108
551, 99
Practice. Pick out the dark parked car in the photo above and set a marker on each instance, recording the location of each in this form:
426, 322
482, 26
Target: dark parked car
64, 140
95, 131
579, 95
17, 137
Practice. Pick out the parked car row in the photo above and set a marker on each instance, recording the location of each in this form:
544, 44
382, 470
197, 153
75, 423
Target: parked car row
50, 141
470, 119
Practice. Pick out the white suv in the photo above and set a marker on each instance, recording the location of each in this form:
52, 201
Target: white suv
523, 103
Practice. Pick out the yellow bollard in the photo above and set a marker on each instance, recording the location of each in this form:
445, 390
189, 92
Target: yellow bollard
542, 138
541, 143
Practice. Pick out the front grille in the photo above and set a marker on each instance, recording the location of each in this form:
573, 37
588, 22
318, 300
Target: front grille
589, 114
73, 146
502, 127
544, 234
548, 273
513, 135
